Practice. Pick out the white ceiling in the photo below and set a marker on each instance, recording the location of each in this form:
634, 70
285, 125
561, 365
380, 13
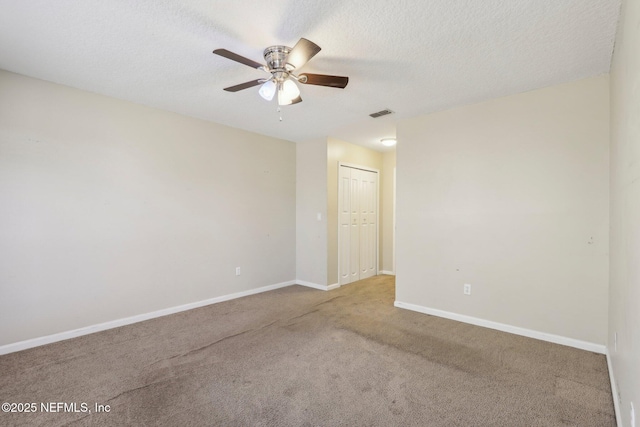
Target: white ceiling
412, 56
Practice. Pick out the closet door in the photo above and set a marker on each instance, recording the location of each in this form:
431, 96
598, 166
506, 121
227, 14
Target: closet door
368, 223
354, 235
344, 221
358, 224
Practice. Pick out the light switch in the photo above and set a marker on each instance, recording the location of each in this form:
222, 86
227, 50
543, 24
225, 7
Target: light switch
319, 216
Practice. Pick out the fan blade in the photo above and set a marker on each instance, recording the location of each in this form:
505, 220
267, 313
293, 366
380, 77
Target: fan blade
235, 57
296, 100
246, 85
302, 52
324, 80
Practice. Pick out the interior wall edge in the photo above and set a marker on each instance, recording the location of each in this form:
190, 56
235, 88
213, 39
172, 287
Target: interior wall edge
62, 336
516, 330
614, 389
316, 285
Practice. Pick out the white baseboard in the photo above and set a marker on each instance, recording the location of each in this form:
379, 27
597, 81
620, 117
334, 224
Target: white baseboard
317, 286
61, 336
557, 339
614, 390
390, 273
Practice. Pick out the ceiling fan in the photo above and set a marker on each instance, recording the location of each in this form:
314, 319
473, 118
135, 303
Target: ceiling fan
282, 61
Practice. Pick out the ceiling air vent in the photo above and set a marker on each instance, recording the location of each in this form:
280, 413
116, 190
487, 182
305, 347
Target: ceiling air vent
381, 113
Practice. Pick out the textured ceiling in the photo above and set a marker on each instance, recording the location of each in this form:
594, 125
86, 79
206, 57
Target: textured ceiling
412, 57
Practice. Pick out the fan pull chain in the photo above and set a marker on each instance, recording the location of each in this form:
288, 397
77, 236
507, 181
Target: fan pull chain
279, 112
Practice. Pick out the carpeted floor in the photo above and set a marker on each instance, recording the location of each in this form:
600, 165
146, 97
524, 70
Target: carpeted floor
301, 357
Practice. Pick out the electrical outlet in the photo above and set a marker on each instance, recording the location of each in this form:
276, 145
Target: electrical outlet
237, 271
467, 289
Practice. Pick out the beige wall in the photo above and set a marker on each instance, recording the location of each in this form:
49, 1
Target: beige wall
311, 200
386, 211
110, 209
510, 196
341, 151
624, 305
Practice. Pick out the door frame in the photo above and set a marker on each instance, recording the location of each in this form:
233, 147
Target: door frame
394, 221
339, 205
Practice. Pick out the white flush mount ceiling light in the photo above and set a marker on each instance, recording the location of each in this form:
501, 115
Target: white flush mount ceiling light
388, 142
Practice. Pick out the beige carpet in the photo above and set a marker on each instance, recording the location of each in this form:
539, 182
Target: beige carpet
302, 357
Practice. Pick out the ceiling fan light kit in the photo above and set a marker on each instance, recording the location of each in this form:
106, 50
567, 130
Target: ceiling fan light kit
267, 90
287, 92
282, 61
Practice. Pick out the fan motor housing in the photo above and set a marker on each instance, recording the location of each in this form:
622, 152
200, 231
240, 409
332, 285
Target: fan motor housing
276, 56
